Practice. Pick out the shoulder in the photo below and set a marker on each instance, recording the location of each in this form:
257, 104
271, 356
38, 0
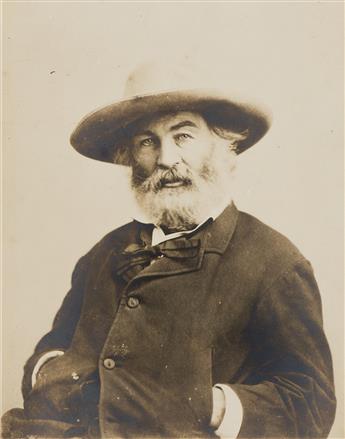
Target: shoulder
261, 250
256, 234
113, 241
120, 236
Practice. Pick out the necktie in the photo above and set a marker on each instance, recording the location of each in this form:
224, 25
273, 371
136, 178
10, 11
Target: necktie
136, 257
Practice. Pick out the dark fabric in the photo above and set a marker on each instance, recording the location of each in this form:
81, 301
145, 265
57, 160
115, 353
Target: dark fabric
16, 425
136, 257
245, 311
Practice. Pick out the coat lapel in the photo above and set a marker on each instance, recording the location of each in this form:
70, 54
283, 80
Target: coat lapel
214, 238
220, 232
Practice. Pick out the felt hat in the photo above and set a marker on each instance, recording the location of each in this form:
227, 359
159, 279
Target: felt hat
153, 89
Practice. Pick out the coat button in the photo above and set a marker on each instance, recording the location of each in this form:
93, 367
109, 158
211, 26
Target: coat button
133, 302
109, 363
75, 376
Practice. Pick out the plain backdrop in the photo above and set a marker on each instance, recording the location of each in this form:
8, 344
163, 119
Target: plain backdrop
63, 59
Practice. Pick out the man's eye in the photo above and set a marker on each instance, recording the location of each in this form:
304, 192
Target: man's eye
147, 142
183, 136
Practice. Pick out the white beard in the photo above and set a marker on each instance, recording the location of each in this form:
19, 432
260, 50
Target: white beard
184, 207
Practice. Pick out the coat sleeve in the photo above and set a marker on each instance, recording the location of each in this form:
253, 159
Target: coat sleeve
65, 322
289, 392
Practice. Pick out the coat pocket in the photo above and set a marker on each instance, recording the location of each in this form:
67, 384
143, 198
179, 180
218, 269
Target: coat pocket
57, 393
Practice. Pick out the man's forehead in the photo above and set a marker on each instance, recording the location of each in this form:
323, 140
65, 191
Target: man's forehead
168, 121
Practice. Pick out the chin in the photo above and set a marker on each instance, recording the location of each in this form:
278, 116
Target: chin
177, 208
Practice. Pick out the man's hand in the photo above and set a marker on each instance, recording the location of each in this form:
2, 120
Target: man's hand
218, 407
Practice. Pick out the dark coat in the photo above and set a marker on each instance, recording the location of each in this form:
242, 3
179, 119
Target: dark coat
245, 310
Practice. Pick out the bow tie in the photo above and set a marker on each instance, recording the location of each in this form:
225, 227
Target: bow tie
136, 257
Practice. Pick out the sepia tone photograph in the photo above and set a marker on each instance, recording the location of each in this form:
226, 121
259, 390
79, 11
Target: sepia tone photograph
173, 219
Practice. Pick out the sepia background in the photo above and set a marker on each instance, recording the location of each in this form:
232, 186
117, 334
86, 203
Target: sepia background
63, 59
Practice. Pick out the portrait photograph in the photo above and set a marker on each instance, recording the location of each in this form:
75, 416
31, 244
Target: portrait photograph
173, 219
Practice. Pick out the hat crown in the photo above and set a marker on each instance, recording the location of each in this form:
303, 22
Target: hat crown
153, 77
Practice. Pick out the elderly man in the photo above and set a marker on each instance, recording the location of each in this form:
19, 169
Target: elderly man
194, 320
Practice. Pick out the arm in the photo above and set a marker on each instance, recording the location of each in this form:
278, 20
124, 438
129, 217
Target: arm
59, 337
289, 390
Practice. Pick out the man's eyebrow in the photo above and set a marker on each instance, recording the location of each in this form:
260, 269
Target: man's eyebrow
185, 123
143, 133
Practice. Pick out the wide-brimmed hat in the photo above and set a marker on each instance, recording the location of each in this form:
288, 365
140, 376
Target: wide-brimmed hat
150, 90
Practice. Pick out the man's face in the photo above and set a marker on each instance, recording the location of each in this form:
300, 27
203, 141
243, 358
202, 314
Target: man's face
172, 139
179, 165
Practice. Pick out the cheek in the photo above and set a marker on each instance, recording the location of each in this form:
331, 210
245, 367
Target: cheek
198, 154
146, 161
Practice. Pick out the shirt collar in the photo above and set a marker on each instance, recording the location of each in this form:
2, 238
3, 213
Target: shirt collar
158, 235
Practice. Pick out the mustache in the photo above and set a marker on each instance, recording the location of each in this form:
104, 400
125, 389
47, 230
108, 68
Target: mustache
162, 176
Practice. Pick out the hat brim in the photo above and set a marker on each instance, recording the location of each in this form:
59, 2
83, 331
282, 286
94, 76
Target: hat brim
99, 134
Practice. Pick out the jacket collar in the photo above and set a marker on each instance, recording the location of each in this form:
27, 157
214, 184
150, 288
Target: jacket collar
214, 237
219, 233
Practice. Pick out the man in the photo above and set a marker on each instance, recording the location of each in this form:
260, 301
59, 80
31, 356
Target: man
194, 320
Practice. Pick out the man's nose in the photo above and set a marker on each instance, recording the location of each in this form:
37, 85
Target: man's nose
169, 153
